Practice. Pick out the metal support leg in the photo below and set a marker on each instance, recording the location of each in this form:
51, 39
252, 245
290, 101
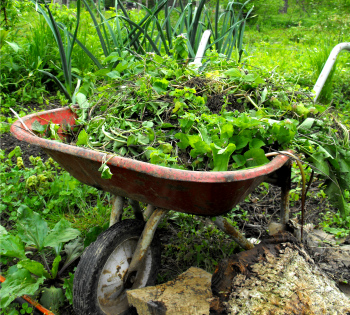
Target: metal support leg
149, 211
136, 208
282, 178
117, 210
143, 246
286, 174
223, 225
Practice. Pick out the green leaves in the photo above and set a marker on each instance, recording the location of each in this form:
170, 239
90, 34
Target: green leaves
160, 86
255, 157
34, 268
82, 138
36, 126
105, 171
221, 157
18, 283
11, 246
33, 230
61, 233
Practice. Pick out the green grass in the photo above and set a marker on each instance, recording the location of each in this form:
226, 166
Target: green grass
293, 47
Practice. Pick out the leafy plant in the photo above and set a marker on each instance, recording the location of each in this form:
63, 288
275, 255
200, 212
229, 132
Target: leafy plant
33, 234
43, 187
65, 47
227, 28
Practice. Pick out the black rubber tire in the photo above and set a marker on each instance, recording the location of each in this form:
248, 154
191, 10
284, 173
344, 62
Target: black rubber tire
92, 263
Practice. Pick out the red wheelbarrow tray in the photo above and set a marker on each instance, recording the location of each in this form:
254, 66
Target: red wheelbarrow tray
193, 192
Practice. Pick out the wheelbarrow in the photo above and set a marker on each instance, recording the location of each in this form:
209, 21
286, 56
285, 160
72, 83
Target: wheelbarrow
127, 255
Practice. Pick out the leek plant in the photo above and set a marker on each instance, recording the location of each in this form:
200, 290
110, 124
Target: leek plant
155, 34
65, 46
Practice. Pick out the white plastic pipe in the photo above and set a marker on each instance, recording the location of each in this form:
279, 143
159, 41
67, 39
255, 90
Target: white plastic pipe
201, 49
328, 67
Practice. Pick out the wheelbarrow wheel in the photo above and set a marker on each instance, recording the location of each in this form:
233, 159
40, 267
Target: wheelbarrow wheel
98, 281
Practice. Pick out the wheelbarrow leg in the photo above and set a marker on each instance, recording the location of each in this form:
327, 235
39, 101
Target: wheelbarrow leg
149, 211
282, 178
223, 225
136, 208
142, 246
285, 188
117, 210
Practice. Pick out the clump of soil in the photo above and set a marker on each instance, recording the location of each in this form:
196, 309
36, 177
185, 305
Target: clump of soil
197, 83
230, 102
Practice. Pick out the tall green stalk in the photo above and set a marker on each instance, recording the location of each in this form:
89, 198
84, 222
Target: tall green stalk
65, 47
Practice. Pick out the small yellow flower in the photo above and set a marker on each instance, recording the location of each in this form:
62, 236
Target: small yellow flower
20, 163
212, 74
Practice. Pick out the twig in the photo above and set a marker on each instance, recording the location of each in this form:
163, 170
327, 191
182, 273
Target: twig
22, 122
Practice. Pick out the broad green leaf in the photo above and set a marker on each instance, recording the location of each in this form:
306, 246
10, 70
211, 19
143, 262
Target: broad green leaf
221, 157
61, 233
239, 159
36, 126
52, 298
82, 100
105, 171
256, 144
17, 284
199, 148
184, 142
82, 138
160, 85
306, 124
101, 72
12, 246
114, 56
193, 139
15, 152
252, 78
255, 157
55, 265
131, 140
336, 195
186, 124
14, 46
73, 250
177, 106
148, 124
234, 73
240, 141
113, 74
34, 267
32, 228
226, 131
263, 95
319, 162
166, 125
121, 67
166, 147
3, 231
68, 286
143, 139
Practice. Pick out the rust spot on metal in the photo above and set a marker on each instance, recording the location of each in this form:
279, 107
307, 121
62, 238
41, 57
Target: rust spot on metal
105, 271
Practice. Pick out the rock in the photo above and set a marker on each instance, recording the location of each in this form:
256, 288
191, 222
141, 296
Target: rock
275, 227
332, 254
275, 279
187, 294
